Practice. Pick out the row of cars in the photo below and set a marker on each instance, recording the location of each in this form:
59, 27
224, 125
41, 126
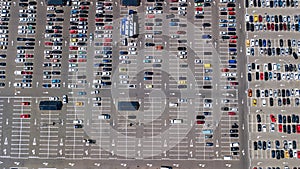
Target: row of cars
53, 48
26, 43
103, 44
228, 34
5, 9
271, 3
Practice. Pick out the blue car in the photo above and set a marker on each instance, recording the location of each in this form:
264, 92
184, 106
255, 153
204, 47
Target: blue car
81, 93
98, 64
46, 85
223, 21
74, 11
106, 60
81, 35
147, 78
55, 81
207, 78
173, 24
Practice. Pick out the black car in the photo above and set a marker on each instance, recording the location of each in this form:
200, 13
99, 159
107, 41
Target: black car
234, 135
255, 145
249, 77
258, 118
259, 127
149, 44
181, 48
2, 56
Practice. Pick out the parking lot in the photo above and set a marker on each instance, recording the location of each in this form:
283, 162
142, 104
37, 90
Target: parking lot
272, 67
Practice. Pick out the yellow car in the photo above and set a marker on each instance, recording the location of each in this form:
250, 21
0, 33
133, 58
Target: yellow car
123, 69
248, 43
182, 82
255, 18
254, 102
286, 154
79, 104
149, 86
74, 39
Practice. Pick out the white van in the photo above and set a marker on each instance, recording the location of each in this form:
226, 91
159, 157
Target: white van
104, 116
176, 121
227, 157
17, 72
173, 104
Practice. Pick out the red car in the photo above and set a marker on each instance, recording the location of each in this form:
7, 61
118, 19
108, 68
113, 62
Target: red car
298, 128
280, 127
159, 47
181, 32
200, 122
260, 18
231, 13
284, 26
28, 55
233, 37
232, 41
261, 76
25, 103
49, 43
107, 40
73, 31
72, 60
272, 26
108, 27
273, 119
199, 9
99, 19
82, 19
73, 48
57, 31
25, 116
148, 27
174, 0
225, 70
298, 154
81, 60
231, 113
234, 83
84, 7
27, 73
107, 44
150, 16
268, 26
230, 9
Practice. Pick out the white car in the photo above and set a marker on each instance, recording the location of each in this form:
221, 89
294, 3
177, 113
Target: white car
198, 61
132, 44
123, 57
157, 60
97, 99
124, 76
173, 104
124, 81
56, 48
77, 121
53, 98
207, 105
73, 70
18, 84
132, 49
19, 60
72, 85
95, 92
149, 36
132, 52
